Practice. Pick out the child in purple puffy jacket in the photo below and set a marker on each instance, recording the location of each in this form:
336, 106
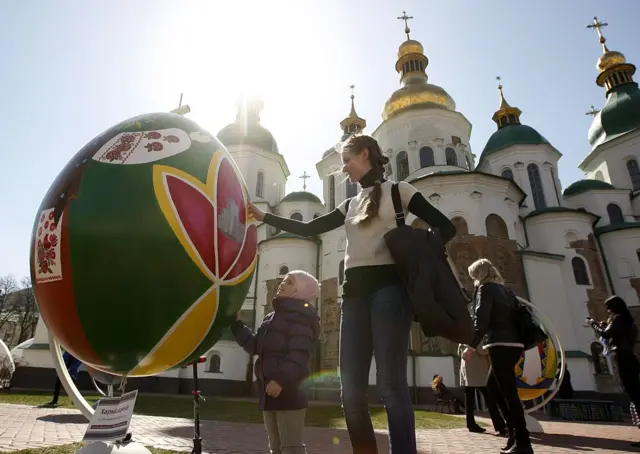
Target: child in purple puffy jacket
284, 344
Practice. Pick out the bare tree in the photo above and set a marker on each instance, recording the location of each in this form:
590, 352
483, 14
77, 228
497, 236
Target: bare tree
18, 310
8, 285
30, 314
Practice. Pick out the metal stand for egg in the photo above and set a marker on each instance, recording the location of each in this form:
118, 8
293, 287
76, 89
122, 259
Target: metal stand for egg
97, 447
533, 425
197, 439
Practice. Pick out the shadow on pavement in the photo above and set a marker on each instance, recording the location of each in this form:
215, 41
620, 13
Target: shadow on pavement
64, 419
582, 443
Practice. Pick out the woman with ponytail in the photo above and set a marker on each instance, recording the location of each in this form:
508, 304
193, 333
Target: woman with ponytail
376, 311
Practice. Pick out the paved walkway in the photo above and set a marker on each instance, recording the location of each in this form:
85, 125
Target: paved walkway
24, 426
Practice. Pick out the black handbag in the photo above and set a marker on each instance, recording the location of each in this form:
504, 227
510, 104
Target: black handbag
530, 332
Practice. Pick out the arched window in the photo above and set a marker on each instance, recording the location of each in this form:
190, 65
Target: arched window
426, 157
296, 216
496, 227
402, 166
341, 272
536, 186
284, 269
461, 225
452, 158
215, 362
507, 173
615, 214
317, 215
260, 184
332, 192
352, 189
599, 361
580, 271
634, 173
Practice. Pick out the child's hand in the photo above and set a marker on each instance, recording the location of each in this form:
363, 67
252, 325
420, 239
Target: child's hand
273, 389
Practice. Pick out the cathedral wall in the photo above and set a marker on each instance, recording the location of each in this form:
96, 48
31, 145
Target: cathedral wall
436, 128
517, 158
620, 249
596, 202
474, 203
551, 232
252, 161
569, 239
334, 244
546, 280
582, 375
611, 160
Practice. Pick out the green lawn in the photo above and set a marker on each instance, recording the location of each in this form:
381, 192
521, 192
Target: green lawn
72, 448
239, 411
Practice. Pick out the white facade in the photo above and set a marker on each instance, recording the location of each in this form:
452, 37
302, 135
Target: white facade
608, 162
555, 240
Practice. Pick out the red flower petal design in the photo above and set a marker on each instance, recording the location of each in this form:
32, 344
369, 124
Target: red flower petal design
231, 211
247, 255
195, 212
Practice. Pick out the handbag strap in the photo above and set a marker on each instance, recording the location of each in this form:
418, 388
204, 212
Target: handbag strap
397, 204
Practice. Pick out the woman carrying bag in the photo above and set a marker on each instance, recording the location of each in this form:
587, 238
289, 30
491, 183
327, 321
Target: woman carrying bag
496, 321
376, 310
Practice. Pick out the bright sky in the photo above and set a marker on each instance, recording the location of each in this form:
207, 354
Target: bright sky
75, 68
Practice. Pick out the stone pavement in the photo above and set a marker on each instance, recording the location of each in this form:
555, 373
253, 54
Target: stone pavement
24, 426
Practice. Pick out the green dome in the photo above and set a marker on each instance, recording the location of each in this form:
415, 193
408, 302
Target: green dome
620, 115
301, 196
580, 186
512, 134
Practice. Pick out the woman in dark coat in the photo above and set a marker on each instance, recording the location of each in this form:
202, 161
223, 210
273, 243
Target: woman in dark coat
494, 320
284, 344
621, 332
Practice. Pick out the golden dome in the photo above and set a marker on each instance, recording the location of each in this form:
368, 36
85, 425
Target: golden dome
610, 59
410, 46
421, 95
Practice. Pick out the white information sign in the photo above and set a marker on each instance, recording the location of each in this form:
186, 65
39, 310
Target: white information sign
111, 418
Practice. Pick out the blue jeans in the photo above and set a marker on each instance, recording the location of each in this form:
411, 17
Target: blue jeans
378, 324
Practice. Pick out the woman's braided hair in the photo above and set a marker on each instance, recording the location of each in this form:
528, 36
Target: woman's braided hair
371, 205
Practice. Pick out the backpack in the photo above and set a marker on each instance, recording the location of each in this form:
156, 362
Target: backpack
530, 332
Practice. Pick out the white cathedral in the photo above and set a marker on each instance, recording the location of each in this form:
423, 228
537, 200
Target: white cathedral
565, 250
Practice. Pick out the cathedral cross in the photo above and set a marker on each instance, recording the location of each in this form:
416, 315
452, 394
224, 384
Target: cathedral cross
406, 18
593, 112
598, 26
304, 178
181, 110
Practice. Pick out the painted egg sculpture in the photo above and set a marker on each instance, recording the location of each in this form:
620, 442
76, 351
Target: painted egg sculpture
536, 370
143, 249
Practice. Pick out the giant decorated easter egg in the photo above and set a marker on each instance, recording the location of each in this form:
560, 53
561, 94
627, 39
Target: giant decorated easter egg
142, 250
536, 370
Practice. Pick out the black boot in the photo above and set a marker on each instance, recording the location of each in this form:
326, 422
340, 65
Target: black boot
522, 444
475, 428
511, 441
